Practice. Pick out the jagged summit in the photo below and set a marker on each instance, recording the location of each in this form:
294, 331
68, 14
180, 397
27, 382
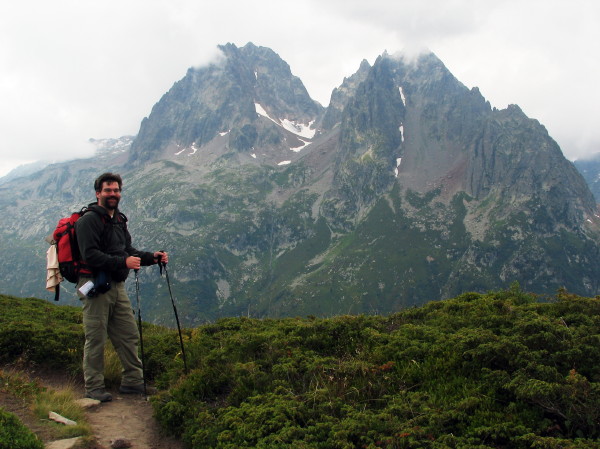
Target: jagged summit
342, 94
230, 101
445, 136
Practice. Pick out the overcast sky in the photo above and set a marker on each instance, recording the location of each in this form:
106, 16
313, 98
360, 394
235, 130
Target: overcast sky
71, 70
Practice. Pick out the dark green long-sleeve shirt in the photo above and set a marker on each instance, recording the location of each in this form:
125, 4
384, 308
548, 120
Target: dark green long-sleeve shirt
105, 243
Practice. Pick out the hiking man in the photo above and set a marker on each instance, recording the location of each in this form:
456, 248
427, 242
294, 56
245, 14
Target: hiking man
105, 246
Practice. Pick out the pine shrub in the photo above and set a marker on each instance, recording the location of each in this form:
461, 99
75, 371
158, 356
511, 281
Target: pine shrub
14, 435
481, 370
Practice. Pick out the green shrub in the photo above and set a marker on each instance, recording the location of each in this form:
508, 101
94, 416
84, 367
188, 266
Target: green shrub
481, 370
14, 435
38, 332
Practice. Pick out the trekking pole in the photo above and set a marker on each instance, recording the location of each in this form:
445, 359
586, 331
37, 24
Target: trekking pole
161, 267
139, 311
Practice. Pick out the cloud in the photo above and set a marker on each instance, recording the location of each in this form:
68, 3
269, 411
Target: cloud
70, 70
415, 19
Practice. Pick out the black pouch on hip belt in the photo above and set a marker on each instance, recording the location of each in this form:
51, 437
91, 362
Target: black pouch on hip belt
101, 284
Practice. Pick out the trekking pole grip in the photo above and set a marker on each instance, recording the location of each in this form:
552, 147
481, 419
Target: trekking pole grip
160, 262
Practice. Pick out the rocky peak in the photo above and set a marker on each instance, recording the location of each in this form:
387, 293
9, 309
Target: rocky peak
413, 116
342, 94
226, 97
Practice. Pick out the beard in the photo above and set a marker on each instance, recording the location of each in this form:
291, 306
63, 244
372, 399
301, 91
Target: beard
110, 203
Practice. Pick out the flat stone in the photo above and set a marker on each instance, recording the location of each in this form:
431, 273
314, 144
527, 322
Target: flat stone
61, 419
63, 444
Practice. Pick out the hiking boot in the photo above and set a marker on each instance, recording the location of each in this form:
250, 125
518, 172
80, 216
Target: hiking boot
136, 389
100, 395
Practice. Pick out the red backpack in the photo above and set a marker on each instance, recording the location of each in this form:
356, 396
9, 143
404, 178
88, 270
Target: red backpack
69, 258
67, 248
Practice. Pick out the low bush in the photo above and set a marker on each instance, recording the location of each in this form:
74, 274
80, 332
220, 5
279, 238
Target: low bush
14, 435
38, 332
492, 370
481, 370
35, 332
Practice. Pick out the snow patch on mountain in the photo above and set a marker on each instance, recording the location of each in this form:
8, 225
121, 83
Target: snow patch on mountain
298, 149
193, 149
402, 95
397, 169
261, 111
300, 129
112, 147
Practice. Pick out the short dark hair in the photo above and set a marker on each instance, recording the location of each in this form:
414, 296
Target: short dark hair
107, 177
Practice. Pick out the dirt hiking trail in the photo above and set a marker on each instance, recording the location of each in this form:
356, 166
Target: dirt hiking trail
127, 416
130, 417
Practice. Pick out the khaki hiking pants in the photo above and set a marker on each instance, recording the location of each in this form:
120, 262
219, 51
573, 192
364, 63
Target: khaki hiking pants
109, 315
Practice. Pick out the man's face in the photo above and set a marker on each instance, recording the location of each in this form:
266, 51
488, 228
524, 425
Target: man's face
109, 196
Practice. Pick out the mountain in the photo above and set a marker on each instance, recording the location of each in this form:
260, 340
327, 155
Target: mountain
24, 170
408, 187
590, 169
106, 149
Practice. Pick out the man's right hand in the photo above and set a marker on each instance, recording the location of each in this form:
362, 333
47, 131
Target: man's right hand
133, 262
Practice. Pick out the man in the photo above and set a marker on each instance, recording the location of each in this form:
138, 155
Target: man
105, 246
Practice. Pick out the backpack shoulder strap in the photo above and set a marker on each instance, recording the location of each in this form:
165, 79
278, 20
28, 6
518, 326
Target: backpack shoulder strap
121, 220
105, 229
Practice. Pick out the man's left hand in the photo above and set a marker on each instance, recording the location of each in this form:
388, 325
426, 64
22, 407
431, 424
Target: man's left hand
161, 256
